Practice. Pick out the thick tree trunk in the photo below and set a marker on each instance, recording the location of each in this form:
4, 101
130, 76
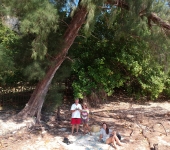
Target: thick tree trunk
34, 105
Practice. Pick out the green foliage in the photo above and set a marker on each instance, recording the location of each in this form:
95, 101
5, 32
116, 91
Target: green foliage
166, 90
34, 71
54, 98
7, 68
36, 17
36, 46
122, 51
55, 94
41, 22
120, 56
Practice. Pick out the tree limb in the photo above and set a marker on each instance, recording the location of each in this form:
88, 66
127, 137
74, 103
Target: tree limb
118, 3
157, 20
153, 17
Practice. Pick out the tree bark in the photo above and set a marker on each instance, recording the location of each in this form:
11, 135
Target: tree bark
35, 103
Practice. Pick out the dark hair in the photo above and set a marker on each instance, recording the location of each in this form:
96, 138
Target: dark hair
107, 128
84, 104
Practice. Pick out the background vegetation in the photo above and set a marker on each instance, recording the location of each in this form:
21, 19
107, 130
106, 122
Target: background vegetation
116, 49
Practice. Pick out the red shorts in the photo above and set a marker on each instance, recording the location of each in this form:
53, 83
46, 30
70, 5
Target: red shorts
75, 120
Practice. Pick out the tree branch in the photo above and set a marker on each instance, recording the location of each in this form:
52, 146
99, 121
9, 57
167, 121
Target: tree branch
118, 3
153, 17
157, 20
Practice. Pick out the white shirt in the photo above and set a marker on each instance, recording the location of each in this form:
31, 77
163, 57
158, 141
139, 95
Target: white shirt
76, 114
104, 135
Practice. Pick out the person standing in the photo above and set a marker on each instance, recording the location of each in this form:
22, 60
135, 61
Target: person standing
85, 118
76, 115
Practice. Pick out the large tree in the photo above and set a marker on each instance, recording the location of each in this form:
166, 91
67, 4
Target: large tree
39, 18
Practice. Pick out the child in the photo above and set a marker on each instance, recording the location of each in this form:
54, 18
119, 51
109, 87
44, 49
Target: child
85, 118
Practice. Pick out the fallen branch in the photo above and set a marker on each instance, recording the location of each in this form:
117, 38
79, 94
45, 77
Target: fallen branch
155, 146
131, 132
163, 127
143, 131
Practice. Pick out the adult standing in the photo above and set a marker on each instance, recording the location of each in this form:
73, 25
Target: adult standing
76, 115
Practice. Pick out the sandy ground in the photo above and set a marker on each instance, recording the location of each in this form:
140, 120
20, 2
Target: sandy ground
85, 142
141, 126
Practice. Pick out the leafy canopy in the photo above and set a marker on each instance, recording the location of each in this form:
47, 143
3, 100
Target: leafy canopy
121, 56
